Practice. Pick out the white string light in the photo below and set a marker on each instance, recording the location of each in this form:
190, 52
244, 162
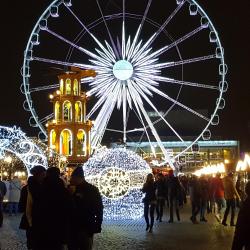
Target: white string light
13, 140
119, 174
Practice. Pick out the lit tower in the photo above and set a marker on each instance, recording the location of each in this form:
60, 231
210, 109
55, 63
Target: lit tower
69, 131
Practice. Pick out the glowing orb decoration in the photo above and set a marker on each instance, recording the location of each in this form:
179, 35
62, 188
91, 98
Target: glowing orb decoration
13, 140
123, 70
114, 183
119, 174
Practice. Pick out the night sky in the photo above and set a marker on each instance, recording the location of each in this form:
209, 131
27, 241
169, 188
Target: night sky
231, 19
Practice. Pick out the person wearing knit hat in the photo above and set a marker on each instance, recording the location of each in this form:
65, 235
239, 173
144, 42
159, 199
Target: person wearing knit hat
88, 213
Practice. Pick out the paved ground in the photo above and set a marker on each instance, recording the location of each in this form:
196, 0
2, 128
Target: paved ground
131, 235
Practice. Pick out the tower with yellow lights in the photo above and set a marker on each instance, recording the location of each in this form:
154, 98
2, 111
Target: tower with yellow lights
69, 131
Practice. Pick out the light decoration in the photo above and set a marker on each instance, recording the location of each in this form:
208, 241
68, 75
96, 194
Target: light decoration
211, 169
119, 174
243, 165
14, 141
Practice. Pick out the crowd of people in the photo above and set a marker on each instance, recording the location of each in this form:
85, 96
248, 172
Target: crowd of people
207, 194
57, 213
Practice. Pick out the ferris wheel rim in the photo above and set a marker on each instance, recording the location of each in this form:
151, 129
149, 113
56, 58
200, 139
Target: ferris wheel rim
59, 2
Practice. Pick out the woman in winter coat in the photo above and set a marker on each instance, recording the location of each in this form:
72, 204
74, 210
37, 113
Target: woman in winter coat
149, 188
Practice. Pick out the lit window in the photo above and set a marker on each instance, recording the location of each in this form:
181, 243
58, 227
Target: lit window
78, 111
81, 143
57, 111
67, 111
52, 138
66, 142
68, 87
75, 88
61, 86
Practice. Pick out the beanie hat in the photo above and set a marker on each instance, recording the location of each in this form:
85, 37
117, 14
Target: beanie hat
78, 172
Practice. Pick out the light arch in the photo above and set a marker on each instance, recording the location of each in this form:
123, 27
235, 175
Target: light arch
15, 141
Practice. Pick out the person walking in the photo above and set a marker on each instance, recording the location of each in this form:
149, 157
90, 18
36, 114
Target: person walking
149, 188
3, 191
218, 194
241, 236
195, 197
160, 196
174, 195
230, 195
14, 195
87, 215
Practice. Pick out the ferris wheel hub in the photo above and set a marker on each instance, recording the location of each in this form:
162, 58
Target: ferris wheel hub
123, 70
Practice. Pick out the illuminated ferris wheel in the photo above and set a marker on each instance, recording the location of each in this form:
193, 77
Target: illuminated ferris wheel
157, 62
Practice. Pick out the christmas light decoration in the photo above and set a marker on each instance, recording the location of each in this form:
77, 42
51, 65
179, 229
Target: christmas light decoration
14, 141
119, 174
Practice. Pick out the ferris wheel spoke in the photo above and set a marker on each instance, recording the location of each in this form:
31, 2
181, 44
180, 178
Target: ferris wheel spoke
37, 89
191, 84
163, 26
139, 29
175, 43
141, 92
177, 102
46, 118
91, 34
103, 117
181, 62
124, 109
78, 65
107, 58
107, 28
158, 140
102, 99
139, 116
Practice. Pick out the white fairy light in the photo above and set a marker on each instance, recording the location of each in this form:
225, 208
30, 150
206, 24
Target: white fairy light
119, 174
13, 140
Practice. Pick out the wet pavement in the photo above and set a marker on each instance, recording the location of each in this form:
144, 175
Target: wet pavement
130, 235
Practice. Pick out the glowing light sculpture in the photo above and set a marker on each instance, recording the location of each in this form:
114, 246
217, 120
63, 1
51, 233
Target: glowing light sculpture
13, 140
119, 174
131, 72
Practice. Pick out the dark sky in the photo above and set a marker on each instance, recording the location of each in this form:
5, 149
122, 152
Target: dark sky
231, 19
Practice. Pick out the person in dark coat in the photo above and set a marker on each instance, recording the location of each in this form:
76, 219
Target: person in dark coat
54, 209
149, 188
160, 195
3, 191
195, 197
174, 196
29, 204
241, 236
87, 213
24, 225
204, 189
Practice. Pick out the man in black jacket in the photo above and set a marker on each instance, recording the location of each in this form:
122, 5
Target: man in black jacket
87, 215
3, 191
